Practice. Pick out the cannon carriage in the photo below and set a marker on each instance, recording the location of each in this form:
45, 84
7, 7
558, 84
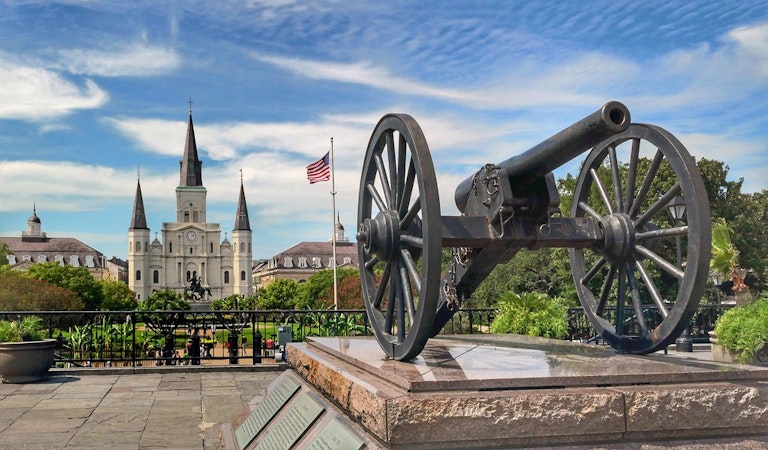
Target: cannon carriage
637, 296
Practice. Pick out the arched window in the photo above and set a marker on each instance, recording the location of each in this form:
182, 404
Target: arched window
170, 247
137, 247
242, 246
242, 275
226, 277
138, 275
211, 247
155, 276
189, 275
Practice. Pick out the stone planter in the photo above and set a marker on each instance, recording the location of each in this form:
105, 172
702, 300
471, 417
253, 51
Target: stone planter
722, 354
26, 362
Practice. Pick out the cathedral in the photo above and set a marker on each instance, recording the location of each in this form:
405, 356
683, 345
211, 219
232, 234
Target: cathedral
191, 255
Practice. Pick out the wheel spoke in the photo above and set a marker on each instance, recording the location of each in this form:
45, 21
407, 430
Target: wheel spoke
637, 301
593, 271
606, 292
384, 180
382, 287
662, 233
601, 190
392, 163
661, 262
620, 302
389, 317
412, 240
411, 266
632, 176
407, 293
662, 202
405, 222
651, 286
405, 197
649, 176
615, 178
588, 209
371, 263
400, 304
376, 197
402, 147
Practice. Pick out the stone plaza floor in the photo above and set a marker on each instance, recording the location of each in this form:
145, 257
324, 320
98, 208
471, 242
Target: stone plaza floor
171, 408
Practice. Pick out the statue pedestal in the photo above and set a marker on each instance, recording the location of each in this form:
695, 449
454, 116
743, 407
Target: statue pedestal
484, 391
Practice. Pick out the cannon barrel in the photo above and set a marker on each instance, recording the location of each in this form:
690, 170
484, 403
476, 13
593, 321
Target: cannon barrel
524, 169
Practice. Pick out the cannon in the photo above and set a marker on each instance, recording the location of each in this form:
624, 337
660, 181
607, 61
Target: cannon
637, 291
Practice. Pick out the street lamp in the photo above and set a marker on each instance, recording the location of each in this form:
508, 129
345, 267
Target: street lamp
676, 208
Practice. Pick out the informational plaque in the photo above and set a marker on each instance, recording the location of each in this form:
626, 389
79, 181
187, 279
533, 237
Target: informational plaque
265, 411
336, 436
292, 425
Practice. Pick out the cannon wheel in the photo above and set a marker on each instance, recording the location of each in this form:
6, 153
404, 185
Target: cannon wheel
399, 236
642, 285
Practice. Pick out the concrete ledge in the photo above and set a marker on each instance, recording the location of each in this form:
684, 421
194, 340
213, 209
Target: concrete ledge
448, 398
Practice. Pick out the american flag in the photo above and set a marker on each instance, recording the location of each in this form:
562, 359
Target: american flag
319, 170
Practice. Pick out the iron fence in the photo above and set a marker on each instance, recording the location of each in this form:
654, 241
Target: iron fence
136, 338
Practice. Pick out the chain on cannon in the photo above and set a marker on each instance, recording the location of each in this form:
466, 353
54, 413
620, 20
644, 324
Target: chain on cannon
620, 238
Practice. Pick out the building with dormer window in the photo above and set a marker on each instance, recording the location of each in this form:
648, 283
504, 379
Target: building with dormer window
303, 260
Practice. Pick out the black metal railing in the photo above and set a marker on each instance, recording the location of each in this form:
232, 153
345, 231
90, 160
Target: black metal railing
139, 338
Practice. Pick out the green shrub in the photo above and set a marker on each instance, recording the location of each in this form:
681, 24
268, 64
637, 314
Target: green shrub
532, 314
743, 328
29, 328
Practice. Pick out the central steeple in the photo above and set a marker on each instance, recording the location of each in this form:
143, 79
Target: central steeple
191, 172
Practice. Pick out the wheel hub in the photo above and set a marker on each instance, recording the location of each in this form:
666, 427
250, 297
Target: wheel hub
619, 236
380, 235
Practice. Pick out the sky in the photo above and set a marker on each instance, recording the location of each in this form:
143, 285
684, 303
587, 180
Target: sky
94, 94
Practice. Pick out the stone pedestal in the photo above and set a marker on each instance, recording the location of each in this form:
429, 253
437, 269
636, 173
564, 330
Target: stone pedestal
490, 391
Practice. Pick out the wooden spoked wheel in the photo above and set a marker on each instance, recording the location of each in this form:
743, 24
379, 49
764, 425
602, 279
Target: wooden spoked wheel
399, 236
642, 284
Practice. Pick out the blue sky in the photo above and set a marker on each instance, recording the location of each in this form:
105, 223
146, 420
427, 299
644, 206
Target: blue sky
91, 90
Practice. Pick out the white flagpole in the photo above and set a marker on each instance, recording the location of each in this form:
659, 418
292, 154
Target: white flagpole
333, 232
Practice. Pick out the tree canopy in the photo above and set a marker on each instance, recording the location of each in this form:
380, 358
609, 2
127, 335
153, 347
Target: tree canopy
77, 279
19, 292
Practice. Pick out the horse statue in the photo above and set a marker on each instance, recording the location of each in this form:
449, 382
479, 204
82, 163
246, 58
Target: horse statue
196, 290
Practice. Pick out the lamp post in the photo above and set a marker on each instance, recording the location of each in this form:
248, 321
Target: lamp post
676, 208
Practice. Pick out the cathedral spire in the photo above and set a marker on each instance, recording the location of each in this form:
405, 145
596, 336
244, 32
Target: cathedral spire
191, 167
138, 220
241, 221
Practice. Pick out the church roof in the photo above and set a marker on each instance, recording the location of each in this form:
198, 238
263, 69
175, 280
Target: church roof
241, 221
191, 171
138, 219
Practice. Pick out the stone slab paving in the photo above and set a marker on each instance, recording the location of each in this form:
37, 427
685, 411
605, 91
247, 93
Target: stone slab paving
174, 409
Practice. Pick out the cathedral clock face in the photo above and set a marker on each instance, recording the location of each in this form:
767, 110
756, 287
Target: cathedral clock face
191, 235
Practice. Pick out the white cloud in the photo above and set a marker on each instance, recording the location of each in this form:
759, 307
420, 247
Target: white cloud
35, 93
134, 60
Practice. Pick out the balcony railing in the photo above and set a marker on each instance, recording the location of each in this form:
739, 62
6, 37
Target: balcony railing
139, 338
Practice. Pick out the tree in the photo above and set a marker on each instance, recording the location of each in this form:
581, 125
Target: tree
117, 296
164, 300
318, 288
280, 294
22, 293
77, 279
4, 252
545, 271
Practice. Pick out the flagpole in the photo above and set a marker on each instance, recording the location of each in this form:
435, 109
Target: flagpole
333, 233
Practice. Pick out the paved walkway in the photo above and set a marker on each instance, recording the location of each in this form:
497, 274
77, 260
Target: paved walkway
171, 408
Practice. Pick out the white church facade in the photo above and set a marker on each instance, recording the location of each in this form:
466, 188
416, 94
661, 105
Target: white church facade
191, 252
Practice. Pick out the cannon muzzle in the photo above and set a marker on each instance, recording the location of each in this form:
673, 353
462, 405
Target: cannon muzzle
526, 168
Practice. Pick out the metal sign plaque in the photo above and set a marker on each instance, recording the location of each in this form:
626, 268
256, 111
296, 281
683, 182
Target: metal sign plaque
265, 411
292, 425
336, 436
